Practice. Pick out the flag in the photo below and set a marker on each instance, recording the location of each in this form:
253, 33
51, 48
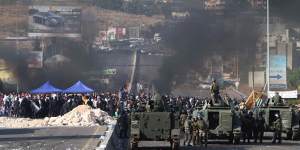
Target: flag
253, 97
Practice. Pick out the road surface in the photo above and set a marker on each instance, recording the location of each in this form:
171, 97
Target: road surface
53, 138
223, 145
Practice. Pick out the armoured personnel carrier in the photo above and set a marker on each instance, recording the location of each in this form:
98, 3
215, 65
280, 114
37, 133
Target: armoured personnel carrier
289, 116
223, 122
159, 126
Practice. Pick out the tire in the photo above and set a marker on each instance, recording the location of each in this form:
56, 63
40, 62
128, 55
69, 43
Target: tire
294, 136
236, 139
133, 146
175, 146
289, 135
231, 137
205, 139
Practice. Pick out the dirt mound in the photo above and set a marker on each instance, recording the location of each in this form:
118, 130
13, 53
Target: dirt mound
82, 115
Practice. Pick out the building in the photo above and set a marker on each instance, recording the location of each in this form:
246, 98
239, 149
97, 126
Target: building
214, 4
258, 4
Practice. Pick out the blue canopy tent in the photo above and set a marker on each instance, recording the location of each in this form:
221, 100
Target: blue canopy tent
46, 88
78, 87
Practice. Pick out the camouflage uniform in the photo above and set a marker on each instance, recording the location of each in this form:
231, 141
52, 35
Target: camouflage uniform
187, 131
202, 131
277, 100
214, 89
277, 130
183, 117
195, 128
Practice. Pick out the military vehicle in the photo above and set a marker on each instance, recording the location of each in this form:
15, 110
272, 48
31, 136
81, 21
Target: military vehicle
223, 122
160, 125
289, 116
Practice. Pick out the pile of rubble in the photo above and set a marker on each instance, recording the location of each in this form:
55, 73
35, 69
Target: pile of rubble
82, 115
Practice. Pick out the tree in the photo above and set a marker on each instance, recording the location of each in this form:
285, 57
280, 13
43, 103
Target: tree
294, 78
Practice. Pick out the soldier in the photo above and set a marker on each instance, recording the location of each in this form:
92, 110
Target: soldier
183, 117
214, 89
187, 131
277, 99
202, 131
244, 124
277, 129
123, 125
250, 125
195, 128
260, 124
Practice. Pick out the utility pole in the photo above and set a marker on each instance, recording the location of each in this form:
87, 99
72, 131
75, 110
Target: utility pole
268, 48
17, 43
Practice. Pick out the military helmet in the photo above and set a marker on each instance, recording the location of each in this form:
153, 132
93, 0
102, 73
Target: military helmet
250, 113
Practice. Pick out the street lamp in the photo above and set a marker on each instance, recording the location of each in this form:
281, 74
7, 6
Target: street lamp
268, 48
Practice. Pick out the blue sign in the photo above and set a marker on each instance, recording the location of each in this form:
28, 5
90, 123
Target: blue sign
278, 72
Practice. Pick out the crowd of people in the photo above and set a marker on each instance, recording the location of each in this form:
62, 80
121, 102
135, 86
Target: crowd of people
51, 105
120, 104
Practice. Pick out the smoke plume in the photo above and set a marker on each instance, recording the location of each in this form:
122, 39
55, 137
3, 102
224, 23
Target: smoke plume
203, 35
286, 9
62, 75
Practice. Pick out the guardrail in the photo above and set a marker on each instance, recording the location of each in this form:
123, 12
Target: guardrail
108, 140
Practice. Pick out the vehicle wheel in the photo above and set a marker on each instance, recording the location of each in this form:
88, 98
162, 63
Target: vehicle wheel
133, 146
205, 140
236, 139
294, 136
289, 135
231, 137
175, 146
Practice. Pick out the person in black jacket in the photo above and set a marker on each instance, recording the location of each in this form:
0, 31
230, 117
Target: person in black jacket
260, 124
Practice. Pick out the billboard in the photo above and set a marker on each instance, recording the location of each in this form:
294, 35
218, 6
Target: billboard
54, 21
34, 59
277, 74
111, 71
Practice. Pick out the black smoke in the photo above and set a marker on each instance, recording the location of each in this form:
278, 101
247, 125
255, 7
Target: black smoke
62, 75
203, 35
288, 10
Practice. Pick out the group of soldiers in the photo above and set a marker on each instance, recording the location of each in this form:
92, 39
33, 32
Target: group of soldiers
253, 127
195, 129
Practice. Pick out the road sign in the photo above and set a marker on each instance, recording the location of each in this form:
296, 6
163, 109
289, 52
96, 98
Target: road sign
278, 72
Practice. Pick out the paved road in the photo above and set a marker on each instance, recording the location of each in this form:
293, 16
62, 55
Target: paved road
286, 145
221, 145
55, 138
